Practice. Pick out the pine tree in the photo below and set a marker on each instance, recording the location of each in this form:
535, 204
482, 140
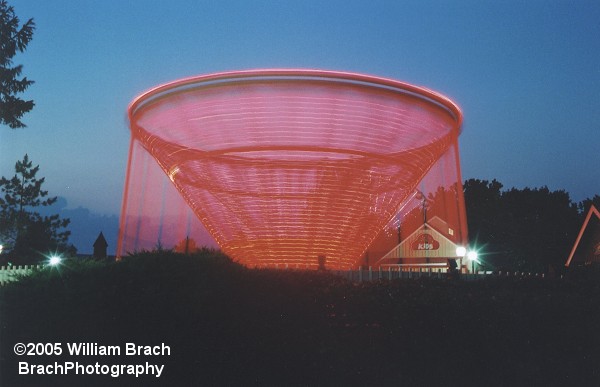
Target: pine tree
23, 231
13, 39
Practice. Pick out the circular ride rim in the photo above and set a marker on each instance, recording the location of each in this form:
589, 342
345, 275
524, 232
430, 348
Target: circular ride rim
300, 74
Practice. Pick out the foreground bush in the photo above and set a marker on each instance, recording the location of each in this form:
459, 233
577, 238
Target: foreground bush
228, 325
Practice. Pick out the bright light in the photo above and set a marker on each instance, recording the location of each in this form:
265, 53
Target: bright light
461, 251
472, 255
54, 260
1, 247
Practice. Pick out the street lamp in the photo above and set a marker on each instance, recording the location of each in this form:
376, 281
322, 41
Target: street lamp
54, 260
461, 251
472, 255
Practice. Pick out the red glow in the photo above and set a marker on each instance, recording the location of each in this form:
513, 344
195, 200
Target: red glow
284, 166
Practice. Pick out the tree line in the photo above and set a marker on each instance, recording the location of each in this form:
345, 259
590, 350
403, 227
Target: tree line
529, 229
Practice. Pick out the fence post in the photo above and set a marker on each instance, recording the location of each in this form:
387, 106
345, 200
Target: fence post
370, 274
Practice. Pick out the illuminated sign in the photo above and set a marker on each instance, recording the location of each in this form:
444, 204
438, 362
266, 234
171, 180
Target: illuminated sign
425, 242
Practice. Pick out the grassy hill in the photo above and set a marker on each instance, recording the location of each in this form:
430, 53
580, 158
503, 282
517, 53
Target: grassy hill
228, 325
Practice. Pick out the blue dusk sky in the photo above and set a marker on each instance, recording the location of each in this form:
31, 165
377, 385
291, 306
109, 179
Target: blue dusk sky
525, 73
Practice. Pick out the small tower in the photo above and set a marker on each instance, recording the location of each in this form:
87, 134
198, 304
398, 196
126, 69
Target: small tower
100, 247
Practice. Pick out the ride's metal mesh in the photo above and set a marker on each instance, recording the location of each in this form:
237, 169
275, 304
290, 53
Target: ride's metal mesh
284, 166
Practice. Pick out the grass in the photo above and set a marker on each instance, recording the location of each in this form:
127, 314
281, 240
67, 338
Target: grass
228, 325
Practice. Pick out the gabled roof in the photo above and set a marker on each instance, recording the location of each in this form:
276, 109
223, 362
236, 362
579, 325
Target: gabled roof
588, 220
446, 247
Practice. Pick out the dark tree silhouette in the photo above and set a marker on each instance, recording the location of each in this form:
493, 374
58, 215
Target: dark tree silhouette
521, 229
543, 226
13, 39
27, 234
585, 205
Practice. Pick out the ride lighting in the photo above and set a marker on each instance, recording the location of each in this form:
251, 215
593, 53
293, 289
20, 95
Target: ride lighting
282, 166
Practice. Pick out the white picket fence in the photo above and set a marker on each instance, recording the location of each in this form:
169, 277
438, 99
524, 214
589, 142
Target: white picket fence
365, 275
371, 274
9, 273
